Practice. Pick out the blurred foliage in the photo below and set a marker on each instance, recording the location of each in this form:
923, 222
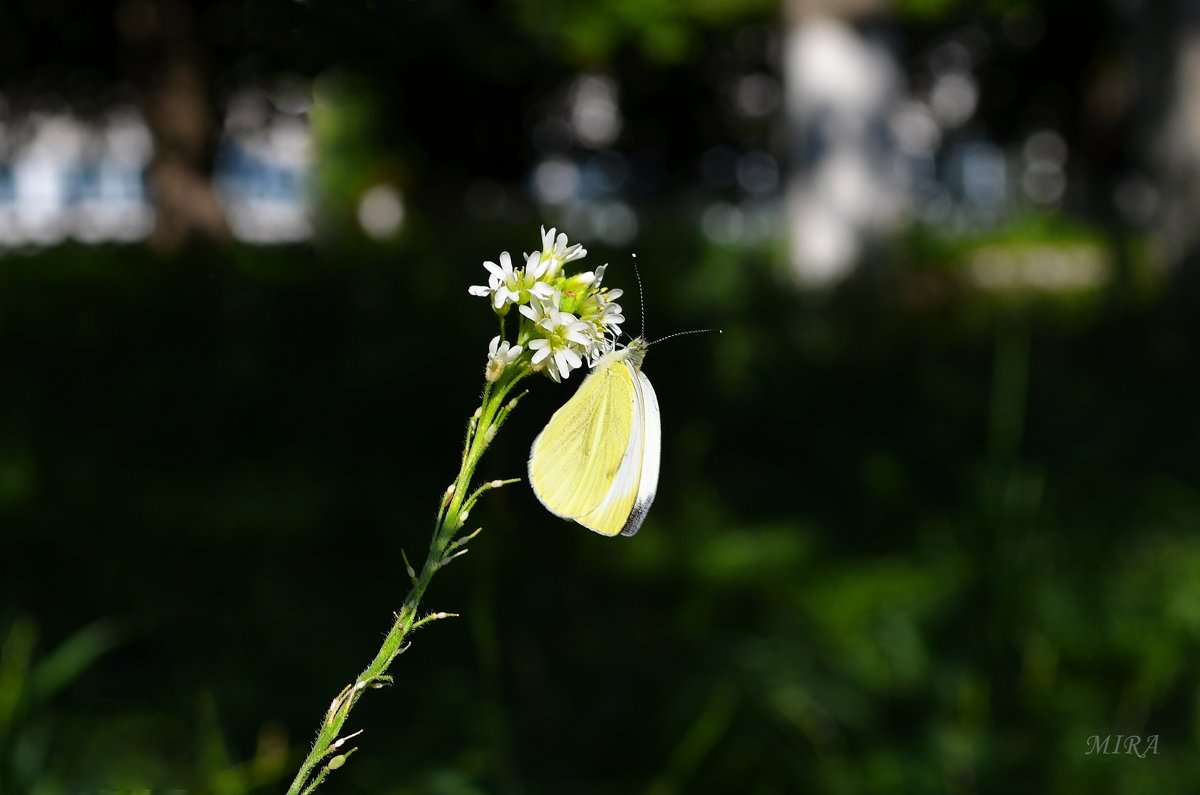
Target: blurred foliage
344, 117
664, 31
43, 751
1123, 269
929, 10
28, 686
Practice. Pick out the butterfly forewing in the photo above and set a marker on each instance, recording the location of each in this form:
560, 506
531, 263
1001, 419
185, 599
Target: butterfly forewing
575, 459
611, 515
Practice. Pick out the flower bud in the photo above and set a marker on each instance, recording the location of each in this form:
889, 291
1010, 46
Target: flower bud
493, 370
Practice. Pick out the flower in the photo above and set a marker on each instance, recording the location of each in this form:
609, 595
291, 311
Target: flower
603, 313
536, 278
508, 285
556, 253
563, 340
501, 350
566, 320
500, 355
599, 306
500, 277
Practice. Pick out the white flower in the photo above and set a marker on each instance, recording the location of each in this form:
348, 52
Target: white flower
593, 278
600, 308
508, 285
500, 355
539, 309
555, 253
535, 275
500, 351
565, 358
610, 316
501, 281
564, 340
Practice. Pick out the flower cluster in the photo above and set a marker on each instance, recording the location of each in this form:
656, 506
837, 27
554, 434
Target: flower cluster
564, 320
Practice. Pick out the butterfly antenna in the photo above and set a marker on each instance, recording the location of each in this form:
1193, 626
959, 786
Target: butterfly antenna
693, 331
641, 295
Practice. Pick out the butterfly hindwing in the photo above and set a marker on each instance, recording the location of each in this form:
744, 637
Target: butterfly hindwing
649, 454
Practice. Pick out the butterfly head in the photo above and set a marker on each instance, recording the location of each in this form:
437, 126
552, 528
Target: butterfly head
635, 352
613, 352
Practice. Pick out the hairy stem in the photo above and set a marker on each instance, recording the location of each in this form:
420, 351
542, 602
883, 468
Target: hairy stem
452, 516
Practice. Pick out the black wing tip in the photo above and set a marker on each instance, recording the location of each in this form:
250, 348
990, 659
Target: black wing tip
636, 517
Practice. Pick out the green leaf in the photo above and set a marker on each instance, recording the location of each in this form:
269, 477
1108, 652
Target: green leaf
15, 654
74, 656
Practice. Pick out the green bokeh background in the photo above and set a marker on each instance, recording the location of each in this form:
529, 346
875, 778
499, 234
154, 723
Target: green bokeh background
910, 536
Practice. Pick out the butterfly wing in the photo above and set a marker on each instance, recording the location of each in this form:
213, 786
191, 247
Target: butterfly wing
616, 509
628, 499
579, 462
648, 455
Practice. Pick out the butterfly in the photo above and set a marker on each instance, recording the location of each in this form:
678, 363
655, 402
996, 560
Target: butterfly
596, 461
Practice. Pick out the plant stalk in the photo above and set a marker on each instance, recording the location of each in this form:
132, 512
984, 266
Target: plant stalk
452, 515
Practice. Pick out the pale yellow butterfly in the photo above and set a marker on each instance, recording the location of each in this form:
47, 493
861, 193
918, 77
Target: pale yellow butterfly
596, 461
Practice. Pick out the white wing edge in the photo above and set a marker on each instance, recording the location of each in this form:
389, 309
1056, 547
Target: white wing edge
649, 455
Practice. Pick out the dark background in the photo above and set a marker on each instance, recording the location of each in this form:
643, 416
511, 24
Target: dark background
916, 530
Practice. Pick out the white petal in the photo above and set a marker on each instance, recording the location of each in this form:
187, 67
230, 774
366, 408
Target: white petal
560, 360
567, 361
493, 345
529, 312
534, 266
613, 295
493, 269
540, 355
481, 289
514, 352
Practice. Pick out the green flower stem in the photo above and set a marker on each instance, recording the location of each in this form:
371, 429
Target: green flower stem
452, 516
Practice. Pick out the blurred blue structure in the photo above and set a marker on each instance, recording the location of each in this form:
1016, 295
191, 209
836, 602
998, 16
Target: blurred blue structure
66, 178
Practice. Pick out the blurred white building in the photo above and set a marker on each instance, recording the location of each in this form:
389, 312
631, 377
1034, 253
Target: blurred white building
67, 178
840, 89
